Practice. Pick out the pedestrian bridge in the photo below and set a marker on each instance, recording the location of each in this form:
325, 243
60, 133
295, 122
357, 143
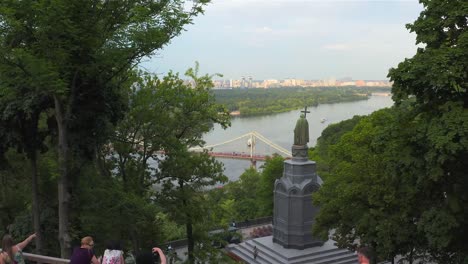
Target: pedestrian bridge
235, 148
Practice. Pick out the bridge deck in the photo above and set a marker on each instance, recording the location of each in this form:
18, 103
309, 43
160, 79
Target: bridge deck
236, 155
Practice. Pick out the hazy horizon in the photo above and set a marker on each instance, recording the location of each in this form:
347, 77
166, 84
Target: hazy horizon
279, 39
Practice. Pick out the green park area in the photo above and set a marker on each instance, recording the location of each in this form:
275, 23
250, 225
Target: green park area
251, 102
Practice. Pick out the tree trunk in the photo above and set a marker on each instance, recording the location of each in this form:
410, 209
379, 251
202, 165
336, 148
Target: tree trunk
188, 227
100, 164
410, 260
373, 259
135, 241
63, 181
36, 202
190, 242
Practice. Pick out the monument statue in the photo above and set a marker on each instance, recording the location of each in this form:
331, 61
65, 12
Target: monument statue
294, 215
301, 131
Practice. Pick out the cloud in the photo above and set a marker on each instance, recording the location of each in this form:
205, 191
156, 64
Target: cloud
337, 47
309, 38
264, 30
266, 3
258, 30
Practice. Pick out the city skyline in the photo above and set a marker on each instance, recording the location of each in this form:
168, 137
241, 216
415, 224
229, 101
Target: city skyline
276, 83
301, 39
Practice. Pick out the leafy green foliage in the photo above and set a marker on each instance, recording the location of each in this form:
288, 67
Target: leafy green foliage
271, 171
184, 176
152, 144
438, 71
330, 136
80, 55
249, 197
437, 77
361, 198
396, 179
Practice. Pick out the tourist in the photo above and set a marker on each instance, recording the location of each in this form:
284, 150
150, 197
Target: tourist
113, 253
157, 251
364, 255
13, 254
84, 254
255, 252
157, 256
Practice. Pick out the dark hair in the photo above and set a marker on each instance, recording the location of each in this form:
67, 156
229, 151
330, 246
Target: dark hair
7, 245
366, 251
113, 245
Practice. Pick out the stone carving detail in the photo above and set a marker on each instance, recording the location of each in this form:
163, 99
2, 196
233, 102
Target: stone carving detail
280, 188
311, 188
302, 153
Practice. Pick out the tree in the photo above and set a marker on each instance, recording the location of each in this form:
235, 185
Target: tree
396, 178
437, 78
20, 113
184, 176
382, 214
80, 54
272, 170
245, 193
168, 117
438, 72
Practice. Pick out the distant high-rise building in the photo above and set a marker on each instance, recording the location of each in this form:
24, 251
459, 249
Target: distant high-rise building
360, 83
242, 82
250, 82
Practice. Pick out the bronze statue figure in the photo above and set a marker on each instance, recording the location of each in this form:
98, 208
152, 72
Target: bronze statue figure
301, 131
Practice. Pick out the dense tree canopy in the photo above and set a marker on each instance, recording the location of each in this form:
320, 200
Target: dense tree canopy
437, 76
152, 144
396, 179
80, 54
438, 72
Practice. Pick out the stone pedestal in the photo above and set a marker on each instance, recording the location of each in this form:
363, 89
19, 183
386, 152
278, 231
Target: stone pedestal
294, 213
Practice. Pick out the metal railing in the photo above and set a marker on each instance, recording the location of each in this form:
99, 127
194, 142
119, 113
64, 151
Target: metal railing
174, 244
44, 259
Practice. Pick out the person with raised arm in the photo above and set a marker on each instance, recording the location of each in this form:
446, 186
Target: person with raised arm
162, 257
13, 254
156, 256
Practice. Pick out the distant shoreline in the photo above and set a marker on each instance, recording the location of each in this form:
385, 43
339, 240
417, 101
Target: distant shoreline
237, 113
382, 94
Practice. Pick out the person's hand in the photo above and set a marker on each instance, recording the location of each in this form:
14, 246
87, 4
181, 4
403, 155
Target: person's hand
162, 257
32, 236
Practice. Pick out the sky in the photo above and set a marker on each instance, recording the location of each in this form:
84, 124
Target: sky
302, 39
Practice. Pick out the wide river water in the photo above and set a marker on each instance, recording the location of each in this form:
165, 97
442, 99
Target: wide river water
278, 128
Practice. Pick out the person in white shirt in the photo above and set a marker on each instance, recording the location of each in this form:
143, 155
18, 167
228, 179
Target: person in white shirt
113, 254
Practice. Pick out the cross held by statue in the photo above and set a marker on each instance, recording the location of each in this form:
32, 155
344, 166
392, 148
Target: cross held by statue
305, 111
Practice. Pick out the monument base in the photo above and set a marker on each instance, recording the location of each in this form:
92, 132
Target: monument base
301, 246
300, 152
272, 253
294, 213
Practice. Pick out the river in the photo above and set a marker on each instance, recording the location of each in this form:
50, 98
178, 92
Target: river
279, 128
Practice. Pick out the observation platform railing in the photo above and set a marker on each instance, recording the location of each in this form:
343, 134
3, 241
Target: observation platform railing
44, 259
